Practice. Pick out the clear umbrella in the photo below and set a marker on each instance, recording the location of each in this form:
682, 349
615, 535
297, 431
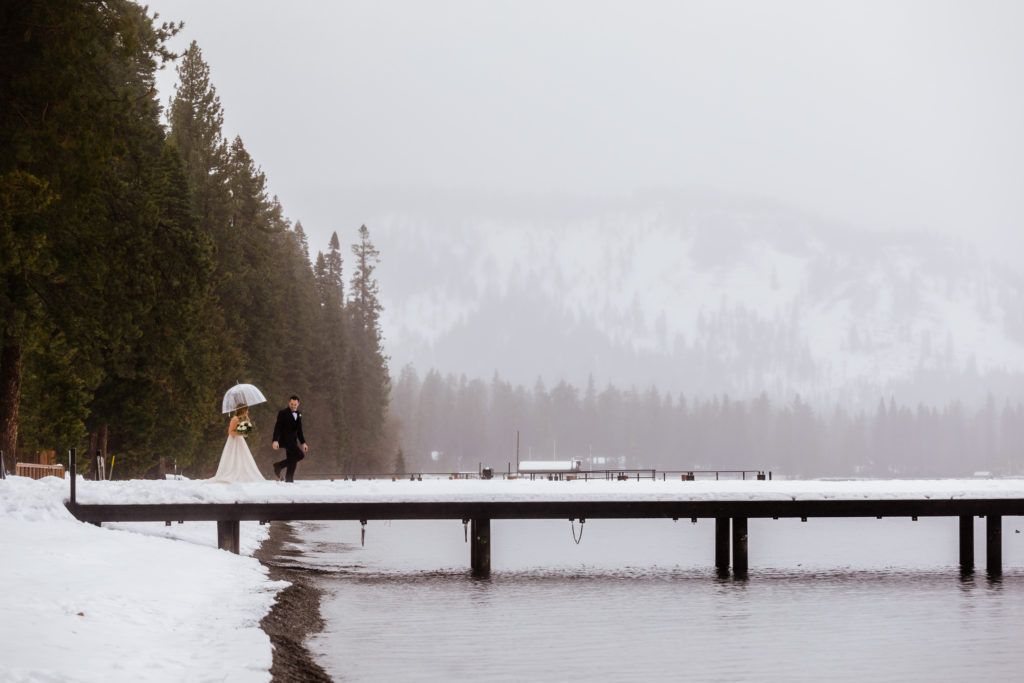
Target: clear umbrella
242, 395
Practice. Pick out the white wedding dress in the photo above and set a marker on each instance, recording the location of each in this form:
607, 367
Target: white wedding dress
236, 463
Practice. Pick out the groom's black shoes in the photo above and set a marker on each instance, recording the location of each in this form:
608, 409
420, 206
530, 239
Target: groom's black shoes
277, 471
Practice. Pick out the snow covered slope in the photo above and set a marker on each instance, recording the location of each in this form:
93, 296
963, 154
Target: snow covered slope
701, 299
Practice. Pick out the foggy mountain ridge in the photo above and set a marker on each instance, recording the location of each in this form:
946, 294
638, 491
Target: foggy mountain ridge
702, 301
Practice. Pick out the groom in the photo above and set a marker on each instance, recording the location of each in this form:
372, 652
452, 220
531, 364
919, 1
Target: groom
288, 433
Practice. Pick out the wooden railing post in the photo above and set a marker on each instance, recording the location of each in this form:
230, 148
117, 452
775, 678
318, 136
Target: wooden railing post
73, 467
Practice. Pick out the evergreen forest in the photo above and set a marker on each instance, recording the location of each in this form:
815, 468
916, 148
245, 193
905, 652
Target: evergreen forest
144, 268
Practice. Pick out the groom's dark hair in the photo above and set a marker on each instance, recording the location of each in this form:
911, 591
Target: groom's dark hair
293, 397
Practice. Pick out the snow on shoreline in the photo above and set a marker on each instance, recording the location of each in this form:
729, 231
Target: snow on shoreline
125, 602
149, 602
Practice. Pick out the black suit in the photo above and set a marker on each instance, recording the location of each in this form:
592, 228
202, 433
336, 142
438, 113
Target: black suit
288, 435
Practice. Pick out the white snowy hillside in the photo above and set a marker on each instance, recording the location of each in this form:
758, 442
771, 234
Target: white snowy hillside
701, 299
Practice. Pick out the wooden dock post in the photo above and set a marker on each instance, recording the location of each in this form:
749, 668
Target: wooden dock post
739, 546
966, 543
722, 544
229, 535
480, 547
73, 467
994, 544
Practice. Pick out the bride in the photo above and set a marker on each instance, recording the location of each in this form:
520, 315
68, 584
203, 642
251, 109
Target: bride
236, 463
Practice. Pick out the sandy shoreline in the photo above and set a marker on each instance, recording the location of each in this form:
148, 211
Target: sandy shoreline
295, 614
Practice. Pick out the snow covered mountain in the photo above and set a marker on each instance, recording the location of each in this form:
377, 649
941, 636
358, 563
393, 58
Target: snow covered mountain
700, 298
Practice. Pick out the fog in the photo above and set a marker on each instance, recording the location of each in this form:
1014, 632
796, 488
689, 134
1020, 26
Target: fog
879, 115
797, 197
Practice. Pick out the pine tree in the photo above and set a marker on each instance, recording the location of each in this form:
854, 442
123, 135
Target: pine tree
196, 121
331, 345
402, 407
196, 127
368, 383
300, 235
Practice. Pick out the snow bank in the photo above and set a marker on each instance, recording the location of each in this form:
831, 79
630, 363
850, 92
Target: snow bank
125, 602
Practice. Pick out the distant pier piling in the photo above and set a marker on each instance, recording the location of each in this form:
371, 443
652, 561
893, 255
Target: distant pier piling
967, 543
722, 544
994, 544
739, 546
480, 547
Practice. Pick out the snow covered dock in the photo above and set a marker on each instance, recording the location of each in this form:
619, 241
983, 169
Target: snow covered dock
729, 503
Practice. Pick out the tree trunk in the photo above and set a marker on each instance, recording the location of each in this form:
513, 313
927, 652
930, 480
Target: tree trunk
102, 445
98, 446
10, 397
94, 440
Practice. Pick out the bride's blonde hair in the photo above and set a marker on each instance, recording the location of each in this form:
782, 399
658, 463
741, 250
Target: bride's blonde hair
241, 410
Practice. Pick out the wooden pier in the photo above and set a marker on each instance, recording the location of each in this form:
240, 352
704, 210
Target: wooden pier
731, 517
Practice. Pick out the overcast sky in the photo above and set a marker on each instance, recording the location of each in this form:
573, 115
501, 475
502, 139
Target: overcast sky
880, 115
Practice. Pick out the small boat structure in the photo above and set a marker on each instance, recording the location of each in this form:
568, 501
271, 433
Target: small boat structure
552, 469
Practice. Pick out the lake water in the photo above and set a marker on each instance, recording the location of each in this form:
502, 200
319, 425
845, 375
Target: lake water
640, 600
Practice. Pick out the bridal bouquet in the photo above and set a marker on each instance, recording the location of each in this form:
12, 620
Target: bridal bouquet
244, 426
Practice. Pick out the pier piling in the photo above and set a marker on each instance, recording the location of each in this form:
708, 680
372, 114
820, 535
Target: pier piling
722, 544
480, 548
966, 542
229, 535
994, 544
739, 546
